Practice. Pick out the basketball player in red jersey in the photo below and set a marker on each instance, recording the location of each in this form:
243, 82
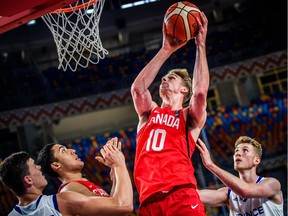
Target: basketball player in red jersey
163, 171
59, 162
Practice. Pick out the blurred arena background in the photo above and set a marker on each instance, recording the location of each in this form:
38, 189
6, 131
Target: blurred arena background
247, 56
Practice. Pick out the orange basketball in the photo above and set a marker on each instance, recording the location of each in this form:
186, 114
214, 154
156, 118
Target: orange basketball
180, 20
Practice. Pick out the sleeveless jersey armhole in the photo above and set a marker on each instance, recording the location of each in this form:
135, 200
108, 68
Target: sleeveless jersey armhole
54, 198
228, 194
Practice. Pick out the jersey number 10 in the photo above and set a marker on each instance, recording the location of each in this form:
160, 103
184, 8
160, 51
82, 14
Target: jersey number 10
157, 137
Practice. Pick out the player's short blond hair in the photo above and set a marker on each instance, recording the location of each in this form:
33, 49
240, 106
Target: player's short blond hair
183, 73
245, 139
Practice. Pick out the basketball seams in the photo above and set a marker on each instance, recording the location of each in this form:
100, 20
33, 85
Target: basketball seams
185, 23
195, 30
175, 26
187, 26
184, 19
174, 12
180, 20
191, 9
187, 7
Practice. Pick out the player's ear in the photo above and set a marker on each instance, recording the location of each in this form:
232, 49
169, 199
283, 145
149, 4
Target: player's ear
27, 180
184, 89
257, 160
55, 166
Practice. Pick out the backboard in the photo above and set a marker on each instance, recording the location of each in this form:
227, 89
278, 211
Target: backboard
16, 13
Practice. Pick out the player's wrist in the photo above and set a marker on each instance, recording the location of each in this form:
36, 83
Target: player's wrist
165, 52
120, 168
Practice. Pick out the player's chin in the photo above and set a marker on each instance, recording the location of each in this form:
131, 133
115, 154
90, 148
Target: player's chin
237, 167
80, 162
162, 92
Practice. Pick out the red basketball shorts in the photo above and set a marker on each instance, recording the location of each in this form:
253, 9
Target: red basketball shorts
180, 201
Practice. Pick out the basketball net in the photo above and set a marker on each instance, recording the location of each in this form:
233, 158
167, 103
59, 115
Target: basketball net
76, 34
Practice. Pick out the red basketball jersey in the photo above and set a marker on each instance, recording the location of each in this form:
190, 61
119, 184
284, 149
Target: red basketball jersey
162, 160
90, 185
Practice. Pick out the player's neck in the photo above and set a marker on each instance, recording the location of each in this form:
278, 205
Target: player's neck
71, 176
29, 197
174, 103
248, 176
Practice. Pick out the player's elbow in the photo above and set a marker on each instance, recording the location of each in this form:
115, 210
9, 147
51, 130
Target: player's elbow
125, 209
126, 205
138, 92
200, 96
135, 87
129, 209
135, 90
200, 104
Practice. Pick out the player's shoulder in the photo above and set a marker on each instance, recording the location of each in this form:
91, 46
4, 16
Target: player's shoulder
74, 185
270, 180
154, 105
70, 202
70, 197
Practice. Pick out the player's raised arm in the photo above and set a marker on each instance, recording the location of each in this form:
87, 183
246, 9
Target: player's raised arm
114, 157
214, 198
141, 96
200, 84
73, 203
110, 162
162, 166
269, 187
120, 202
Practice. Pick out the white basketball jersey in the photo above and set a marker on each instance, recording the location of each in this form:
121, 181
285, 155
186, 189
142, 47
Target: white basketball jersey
253, 206
42, 206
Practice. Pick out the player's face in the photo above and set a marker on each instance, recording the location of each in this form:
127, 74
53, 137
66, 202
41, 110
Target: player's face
245, 157
171, 83
35, 173
67, 158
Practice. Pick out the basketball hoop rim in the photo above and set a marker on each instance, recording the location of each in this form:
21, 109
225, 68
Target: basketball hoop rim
74, 8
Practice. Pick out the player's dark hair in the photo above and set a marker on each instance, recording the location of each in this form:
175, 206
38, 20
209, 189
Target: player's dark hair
45, 159
13, 170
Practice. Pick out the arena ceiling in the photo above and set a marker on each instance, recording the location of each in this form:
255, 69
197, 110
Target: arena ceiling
134, 27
